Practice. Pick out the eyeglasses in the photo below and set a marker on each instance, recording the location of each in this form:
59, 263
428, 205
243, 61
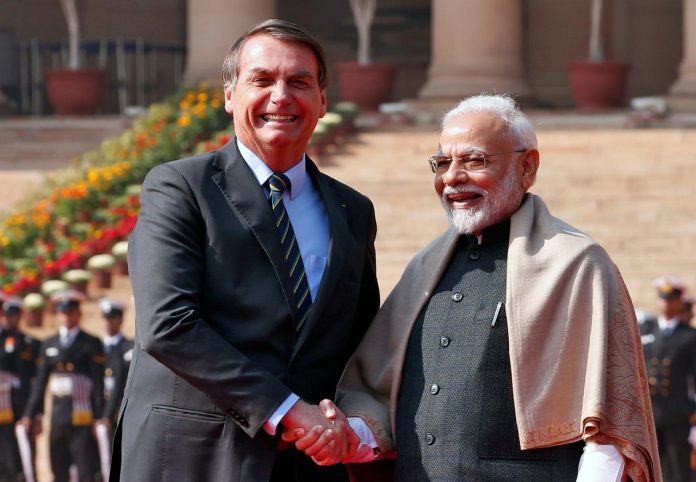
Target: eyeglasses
474, 162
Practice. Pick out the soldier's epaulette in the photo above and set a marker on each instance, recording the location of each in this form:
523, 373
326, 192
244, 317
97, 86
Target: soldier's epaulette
100, 359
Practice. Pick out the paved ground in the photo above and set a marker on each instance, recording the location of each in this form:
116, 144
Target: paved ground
632, 190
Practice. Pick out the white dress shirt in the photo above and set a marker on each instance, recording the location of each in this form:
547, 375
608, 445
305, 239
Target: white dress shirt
311, 225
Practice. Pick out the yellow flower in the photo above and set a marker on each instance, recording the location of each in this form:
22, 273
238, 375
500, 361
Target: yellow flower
216, 103
202, 97
184, 120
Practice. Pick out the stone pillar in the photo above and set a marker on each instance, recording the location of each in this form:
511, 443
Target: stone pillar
213, 25
683, 93
476, 47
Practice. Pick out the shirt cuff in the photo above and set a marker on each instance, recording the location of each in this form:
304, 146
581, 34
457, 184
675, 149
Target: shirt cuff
273, 421
368, 450
600, 463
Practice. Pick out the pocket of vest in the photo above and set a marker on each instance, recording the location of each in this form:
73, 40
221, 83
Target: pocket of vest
188, 414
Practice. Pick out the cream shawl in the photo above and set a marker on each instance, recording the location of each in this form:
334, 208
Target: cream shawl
575, 352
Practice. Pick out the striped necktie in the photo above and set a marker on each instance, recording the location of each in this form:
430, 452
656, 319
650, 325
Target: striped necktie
277, 185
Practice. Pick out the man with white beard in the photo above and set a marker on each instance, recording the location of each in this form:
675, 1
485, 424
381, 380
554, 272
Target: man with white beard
509, 349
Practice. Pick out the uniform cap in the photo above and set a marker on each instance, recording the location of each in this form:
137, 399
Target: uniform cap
12, 305
111, 307
669, 287
67, 300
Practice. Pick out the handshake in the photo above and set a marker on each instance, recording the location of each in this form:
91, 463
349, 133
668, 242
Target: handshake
322, 432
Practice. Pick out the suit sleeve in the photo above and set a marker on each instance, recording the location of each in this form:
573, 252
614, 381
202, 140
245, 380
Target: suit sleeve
166, 259
35, 405
368, 301
97, 376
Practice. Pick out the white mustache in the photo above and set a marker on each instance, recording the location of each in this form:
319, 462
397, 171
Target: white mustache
463, 188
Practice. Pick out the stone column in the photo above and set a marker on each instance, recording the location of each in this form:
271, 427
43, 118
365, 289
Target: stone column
213, 25
476, 47
683, 93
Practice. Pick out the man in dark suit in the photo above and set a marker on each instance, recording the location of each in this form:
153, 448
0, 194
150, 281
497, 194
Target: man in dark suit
14, 384
18, 353
670, 355
74, 362
119, 351
254, 280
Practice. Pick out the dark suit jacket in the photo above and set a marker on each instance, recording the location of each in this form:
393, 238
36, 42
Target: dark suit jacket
216, 351
671, 367
115, 373
84, 356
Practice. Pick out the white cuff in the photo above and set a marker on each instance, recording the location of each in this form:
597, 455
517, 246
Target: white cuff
273, 421
600, 463
368, 450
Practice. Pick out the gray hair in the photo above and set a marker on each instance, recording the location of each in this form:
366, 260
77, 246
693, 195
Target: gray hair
502, 106
281, 30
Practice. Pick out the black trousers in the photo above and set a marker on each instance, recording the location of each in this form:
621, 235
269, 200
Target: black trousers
72, 445
675, 452
10, 464
293, 466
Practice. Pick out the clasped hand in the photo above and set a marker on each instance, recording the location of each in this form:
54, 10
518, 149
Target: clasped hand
320, 431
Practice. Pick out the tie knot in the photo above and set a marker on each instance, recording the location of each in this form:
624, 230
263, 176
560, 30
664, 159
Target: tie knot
279, 183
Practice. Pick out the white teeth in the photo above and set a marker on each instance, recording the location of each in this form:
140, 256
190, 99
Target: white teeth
278, 117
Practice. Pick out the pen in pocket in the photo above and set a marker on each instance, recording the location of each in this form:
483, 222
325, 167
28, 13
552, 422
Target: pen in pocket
497, 312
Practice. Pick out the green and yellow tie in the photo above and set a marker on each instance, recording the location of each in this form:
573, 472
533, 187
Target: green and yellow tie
277, 185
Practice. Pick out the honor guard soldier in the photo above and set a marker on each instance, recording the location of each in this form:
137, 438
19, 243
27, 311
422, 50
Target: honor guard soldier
17, 367
670, 355
74, 362
118, 350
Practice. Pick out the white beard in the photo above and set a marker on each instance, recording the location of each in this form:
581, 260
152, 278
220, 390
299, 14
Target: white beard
496, 205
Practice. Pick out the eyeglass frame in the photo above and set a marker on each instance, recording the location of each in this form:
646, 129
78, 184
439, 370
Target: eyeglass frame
434, 167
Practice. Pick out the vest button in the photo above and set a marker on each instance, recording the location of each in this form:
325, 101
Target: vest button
444, 341
429, 439
434, 389
457, 297
475, 255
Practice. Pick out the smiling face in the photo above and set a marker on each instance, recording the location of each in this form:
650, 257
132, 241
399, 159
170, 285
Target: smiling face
276, 100
474, 201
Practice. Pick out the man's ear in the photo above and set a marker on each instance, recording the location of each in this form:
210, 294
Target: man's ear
228, 98
529, 164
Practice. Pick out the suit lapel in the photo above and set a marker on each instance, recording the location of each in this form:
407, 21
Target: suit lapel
339, 239
246, 198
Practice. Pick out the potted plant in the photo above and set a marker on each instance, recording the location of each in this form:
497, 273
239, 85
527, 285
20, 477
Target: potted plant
101, 265
74, 90
120, 252
364, 82
597, 83
34, 305
51, 286
78, 279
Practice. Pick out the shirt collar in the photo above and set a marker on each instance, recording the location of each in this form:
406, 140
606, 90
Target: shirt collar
670, 324
112, 340
70, 334
297, 173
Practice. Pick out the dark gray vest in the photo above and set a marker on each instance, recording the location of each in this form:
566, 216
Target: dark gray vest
456, 415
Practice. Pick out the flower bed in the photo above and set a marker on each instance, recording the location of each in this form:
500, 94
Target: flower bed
94, 204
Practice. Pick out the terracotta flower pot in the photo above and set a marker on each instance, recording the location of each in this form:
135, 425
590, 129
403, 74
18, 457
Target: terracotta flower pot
366, 85
121, 267
75, 91
102, 279
34, 318
80, 286
598, 85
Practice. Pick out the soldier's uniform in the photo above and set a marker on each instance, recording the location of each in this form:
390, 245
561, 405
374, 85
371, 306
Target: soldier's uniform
72, 365
119, 351
670, 355
17, 368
